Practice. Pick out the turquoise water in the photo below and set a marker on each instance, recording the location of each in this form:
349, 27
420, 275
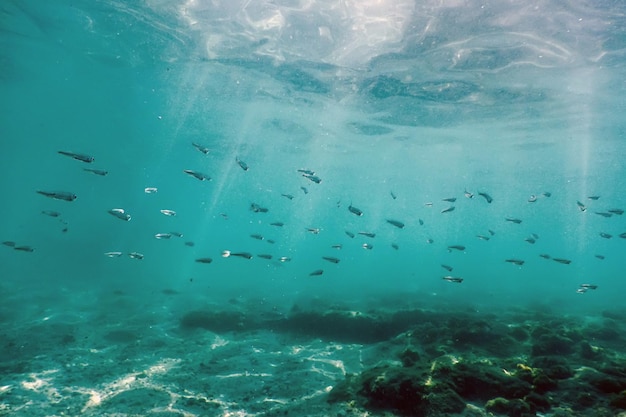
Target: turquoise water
395, 106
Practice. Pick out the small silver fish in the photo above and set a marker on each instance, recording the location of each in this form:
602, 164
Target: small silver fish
449, 199
227, 253
467, 194
355, 210
392, 195
265, 256
163, 236
317, 272
603, 213
605, 235
448, 210
601, 257
120, 214
456, 247
177, 234
532, 198
257, 236
9, 243
306, 172
51, 213
395, 246
530, 240
284, 259
447, 267
581, 290
367, 246
581, 206
545, 256
190, 244
136, 255
514, 261
277, 224
59, 195
368, 234
396, 223
562, 261
150, 190
313, 178
113, 254
482, 237
589, 286
619, 212
513, 220
24, 248
313, 230
99, 172
594, 197
242, 164
430, 241
289, 196
198, 175
201, 148
170, 213
351, 235
204, 260
491, 232
257, 208
78, 156
421, 222
331, 259
337, 246
456, 280
304, 190
623, 235
547, 194
486, 196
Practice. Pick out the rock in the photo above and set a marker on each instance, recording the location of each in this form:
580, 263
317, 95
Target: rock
619, 401
511, 408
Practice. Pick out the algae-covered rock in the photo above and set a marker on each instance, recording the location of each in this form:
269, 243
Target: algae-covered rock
551, 344
479, 381
619, 401
511, 408
394, 389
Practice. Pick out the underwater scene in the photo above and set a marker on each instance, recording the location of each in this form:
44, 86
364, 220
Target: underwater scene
313, 208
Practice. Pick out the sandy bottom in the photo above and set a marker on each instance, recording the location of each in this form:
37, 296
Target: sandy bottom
110, 355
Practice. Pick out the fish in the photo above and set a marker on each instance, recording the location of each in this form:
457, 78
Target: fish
355, 210
78, 156
224, 216
351, 235
513, 220
421, 222
24, 248
605, 235
562, 261
514, 261
429, 204
395, 246
467, 194
99, 172
545, 256
190, 244
448, 210
581, 290
204, 260
532, 198
289, 196
491, 232
589, 286
170, 213
201, 148
257, 236
198, 175
313, 230
429, 240
594, 197
313, 178
456, 247
482, 237
317, 272
51, 213
9, 243
447, 267
619, 212
367, 246
270, 241
581, 206
177, 234
304, 190
120, 214
112, 254
368, 234
396, 223
486, 196
150, 190
623, 235
337, 246
136, 255
603, 213
306, 171
284, 259
547, 194
534, 236
456, 280
601, 257
227, 253
392, 195
242, 164
59, 195
258, 209
331, 259
530, 240
265, 256
277, 224
449, 199
163, 236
